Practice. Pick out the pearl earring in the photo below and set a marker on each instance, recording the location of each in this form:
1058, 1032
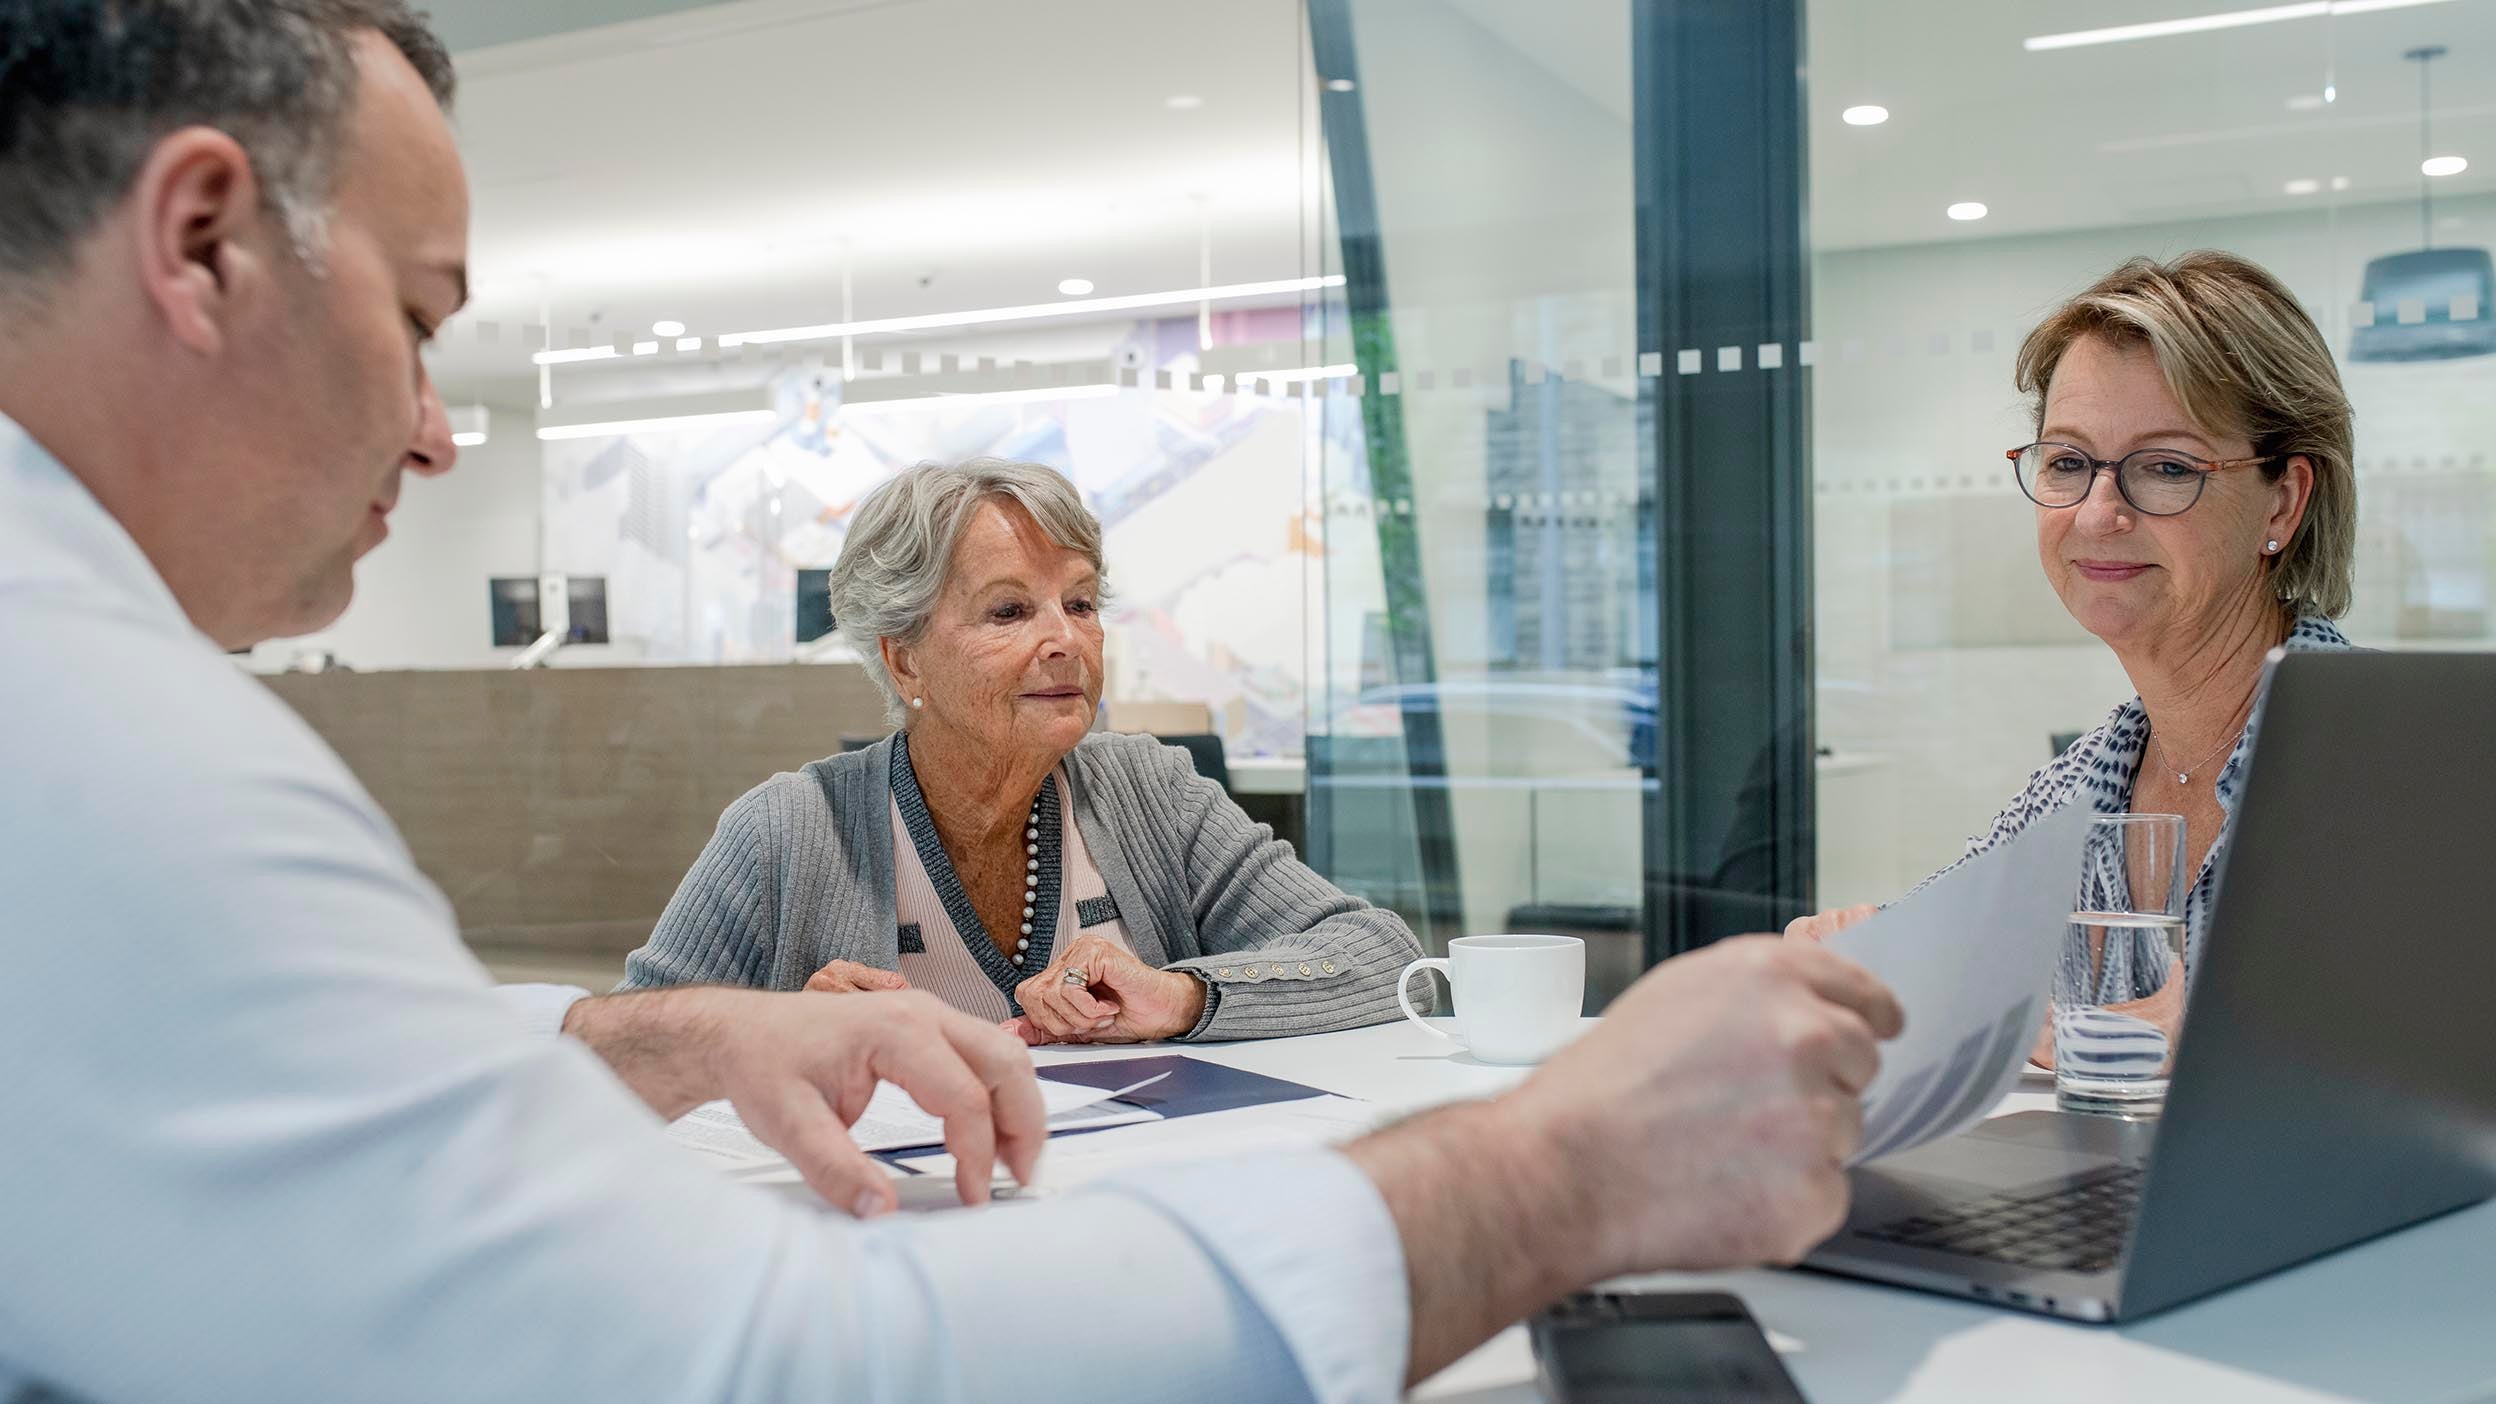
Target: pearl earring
918, 704
2271, 546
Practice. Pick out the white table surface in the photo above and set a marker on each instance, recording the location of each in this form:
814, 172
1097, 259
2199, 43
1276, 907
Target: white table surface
2408, 1317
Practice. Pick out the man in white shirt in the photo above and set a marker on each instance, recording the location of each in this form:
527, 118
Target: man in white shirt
270, 1132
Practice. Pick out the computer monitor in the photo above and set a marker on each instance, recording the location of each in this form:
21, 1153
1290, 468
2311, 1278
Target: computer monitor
518, 617
814, 605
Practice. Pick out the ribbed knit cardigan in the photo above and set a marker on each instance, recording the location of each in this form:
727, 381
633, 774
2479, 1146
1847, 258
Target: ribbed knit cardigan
799, 873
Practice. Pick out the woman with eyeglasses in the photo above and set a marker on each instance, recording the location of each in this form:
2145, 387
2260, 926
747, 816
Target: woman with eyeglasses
2196, 507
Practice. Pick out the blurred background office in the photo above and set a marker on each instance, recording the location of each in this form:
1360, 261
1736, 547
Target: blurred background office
1551, 454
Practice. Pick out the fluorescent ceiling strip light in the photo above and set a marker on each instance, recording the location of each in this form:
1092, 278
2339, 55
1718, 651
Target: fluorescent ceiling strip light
2202, 24
987, 397
1075, 307
1294, 377
565, 358
470, 440
609, 427
2360, 7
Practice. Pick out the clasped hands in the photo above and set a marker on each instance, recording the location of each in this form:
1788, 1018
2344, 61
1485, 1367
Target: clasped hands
1120, 999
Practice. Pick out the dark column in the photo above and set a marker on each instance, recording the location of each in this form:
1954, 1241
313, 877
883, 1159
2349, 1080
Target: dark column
1723, 261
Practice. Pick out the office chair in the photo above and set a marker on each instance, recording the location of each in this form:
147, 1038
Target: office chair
1205, 749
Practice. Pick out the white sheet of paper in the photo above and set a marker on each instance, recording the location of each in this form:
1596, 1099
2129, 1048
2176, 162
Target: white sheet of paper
715, 1129
893, 1121
1972, 959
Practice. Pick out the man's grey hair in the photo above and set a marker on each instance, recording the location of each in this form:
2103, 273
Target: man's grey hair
899, 551
88, 87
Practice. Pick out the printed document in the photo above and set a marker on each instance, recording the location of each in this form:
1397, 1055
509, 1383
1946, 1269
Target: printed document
1972, 959
893, 1121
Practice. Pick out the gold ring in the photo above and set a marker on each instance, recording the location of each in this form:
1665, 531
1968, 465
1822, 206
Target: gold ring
1074, 976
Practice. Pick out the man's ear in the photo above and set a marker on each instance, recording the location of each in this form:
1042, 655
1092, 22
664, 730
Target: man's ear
199, 233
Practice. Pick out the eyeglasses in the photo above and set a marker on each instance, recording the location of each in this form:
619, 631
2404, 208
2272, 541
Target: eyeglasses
2157, 482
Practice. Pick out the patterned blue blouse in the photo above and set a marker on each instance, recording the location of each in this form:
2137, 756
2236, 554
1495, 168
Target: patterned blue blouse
2098, 769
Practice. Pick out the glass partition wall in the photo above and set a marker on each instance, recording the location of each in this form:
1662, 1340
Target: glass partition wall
1566, 591
1678, 584
1480, 752
2020, 154
1555, 451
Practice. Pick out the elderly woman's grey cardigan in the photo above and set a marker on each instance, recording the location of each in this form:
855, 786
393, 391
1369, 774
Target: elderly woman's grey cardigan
800, 873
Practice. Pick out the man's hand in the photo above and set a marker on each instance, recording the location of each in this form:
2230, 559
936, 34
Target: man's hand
1704, 1124
800, 1071
1121, 999
849, 977
1712, 1112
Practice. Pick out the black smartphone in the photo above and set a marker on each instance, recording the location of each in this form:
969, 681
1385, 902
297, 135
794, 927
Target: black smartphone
1657, 1348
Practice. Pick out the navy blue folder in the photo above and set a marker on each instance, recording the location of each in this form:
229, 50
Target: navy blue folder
1193, 1087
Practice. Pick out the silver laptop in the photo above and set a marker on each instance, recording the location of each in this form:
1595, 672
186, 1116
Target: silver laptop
2337, 1077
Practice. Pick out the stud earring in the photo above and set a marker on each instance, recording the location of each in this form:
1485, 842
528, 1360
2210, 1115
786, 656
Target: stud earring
918, 704
2271, 546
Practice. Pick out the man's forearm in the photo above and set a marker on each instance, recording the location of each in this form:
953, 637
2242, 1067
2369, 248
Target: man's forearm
658, 1041
1490, 1226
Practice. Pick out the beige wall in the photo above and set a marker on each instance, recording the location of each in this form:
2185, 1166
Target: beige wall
557, 809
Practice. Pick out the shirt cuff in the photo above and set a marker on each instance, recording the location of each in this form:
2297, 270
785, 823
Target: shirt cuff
1308, 1239
541, 1009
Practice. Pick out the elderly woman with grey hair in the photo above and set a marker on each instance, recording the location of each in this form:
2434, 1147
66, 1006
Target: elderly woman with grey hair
1077, 887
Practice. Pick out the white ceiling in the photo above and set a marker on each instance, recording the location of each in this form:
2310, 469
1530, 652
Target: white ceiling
721, 163
2188, 127
720, 166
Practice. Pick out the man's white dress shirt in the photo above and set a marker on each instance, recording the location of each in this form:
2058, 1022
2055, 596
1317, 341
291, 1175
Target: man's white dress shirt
267, 1133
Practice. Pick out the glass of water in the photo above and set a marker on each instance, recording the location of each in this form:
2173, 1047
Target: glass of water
2119, 986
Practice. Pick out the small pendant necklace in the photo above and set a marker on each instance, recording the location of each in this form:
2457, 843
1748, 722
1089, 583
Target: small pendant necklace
2184, 774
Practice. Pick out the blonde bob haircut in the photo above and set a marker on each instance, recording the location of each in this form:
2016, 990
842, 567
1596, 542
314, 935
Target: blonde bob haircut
899, 549
2243, 360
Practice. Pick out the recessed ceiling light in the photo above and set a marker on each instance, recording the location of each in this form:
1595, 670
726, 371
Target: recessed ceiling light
1967, 209
2339, 182
1076, 287
667, 328
2443, 165
2302, 187
1340, 85
1183, 102
1868, 115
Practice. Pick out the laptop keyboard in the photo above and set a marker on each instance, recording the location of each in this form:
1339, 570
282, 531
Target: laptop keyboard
2076, 1227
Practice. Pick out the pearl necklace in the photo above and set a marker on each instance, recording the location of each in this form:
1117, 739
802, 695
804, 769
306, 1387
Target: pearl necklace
1031, 873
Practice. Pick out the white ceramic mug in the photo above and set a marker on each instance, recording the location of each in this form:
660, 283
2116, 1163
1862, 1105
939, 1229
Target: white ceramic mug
1518, 998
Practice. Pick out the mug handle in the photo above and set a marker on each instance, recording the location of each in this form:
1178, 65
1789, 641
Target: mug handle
1404, 994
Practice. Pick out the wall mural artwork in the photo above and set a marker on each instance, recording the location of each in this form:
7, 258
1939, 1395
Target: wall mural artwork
701, 533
